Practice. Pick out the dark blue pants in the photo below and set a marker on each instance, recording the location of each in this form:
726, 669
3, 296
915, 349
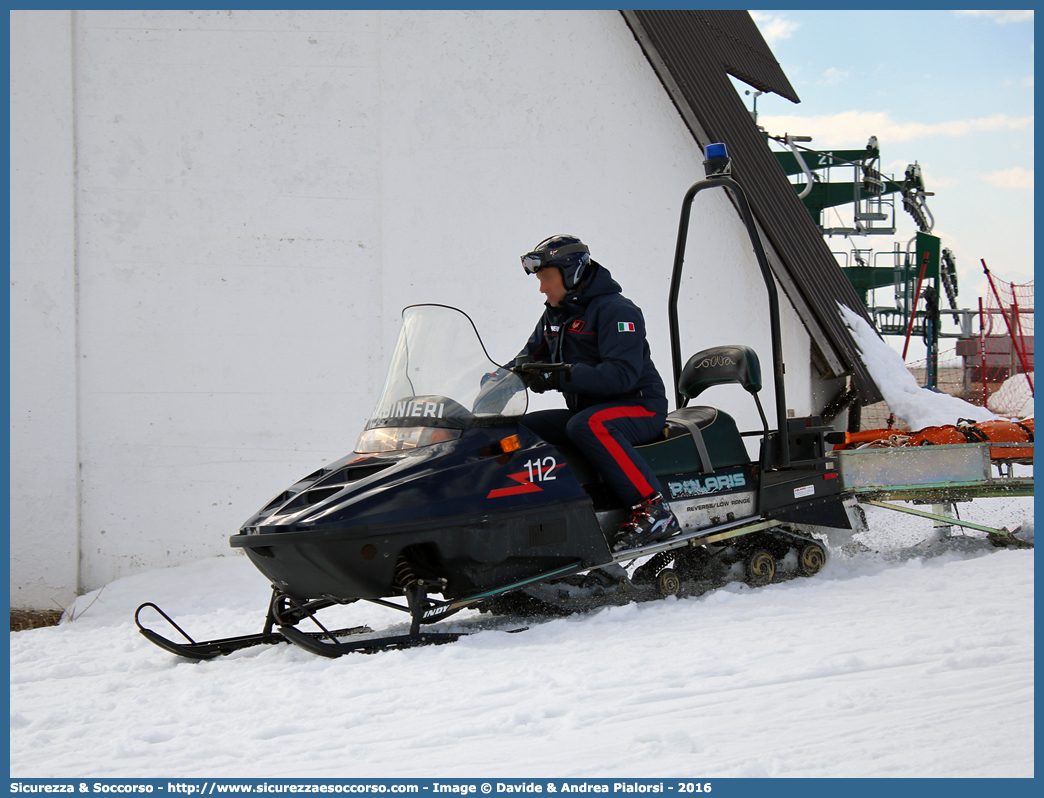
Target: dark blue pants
607, 435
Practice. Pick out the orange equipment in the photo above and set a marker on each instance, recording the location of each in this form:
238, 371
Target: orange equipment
964, 431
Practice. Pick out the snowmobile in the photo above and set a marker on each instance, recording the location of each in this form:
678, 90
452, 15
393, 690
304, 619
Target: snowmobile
447, 502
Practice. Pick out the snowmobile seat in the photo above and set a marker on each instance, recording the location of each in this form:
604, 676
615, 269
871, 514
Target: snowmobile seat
696, 439
677, 452
721, 365
703, 438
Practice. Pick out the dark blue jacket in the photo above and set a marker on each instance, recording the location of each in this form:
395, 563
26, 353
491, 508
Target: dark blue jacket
602, 333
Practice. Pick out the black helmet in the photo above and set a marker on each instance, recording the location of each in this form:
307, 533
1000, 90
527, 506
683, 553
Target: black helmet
568, 253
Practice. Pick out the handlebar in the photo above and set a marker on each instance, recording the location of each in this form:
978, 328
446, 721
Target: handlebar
544, 367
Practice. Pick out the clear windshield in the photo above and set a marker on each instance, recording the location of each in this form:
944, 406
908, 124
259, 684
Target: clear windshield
441, 376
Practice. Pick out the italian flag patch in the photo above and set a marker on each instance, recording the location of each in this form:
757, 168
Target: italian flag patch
626, 326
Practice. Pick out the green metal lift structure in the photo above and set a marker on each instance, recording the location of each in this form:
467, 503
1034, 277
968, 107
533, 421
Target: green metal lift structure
921, 273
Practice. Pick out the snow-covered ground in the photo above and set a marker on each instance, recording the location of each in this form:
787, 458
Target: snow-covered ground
900, 658
897, 660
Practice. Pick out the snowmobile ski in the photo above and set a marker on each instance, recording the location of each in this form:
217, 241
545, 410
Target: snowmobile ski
210, 649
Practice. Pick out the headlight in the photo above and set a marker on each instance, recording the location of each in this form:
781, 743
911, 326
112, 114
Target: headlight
394, 439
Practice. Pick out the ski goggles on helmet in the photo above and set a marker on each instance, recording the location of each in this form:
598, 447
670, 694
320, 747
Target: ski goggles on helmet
534, 261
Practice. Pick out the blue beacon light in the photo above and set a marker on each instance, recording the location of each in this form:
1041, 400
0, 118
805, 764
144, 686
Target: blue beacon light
715, 152
717, 163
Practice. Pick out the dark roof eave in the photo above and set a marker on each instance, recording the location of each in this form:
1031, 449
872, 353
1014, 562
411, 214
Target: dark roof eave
691, 51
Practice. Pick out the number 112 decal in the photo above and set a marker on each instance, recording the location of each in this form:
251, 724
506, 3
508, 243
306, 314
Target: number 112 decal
541, 469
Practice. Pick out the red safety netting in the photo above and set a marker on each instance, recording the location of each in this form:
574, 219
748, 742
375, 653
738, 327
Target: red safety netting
1007, 315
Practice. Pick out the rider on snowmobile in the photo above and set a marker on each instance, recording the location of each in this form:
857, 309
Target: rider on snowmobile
615, 397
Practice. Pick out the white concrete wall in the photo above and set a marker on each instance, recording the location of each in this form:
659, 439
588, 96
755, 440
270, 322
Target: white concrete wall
44, 483
258, 194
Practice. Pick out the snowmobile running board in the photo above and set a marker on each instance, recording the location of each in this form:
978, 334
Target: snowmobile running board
423, 608
712, 534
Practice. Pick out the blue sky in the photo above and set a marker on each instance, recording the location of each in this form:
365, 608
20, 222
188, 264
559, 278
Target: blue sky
951, 90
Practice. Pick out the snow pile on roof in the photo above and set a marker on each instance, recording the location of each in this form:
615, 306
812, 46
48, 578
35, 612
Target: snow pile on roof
917, 407
1014, 398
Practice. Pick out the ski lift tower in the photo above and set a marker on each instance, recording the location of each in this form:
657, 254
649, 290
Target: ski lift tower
828, 179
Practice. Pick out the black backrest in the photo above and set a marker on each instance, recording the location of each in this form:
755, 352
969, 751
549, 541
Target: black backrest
720, 365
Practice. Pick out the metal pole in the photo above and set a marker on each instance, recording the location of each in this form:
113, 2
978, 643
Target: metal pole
766, 273
913, 309
982, 354
1022, 339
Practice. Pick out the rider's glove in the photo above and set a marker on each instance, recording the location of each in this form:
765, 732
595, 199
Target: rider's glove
539, 382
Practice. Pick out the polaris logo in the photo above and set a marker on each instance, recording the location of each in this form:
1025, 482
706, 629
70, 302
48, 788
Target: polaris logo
698, 487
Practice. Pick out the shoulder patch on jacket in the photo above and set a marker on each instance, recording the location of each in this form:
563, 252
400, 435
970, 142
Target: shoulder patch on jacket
625, 326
